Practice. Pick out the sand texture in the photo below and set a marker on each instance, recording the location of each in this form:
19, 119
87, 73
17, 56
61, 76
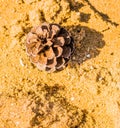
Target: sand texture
86, 94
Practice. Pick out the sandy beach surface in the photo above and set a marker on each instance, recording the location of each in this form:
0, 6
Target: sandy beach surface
86, 94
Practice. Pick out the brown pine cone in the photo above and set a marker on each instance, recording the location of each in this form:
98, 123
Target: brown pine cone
49, 47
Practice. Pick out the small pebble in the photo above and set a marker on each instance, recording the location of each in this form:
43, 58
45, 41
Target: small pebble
21, 62
88, 55
91, 67
100, 78
72, 98
17, 123
73, 58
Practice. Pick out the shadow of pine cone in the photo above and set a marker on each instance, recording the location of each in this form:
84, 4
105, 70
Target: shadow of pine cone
88, 43
49, 47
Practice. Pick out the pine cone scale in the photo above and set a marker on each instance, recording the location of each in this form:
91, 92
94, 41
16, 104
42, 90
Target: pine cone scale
49, 53
60, 62
58, 51
51, 63
35, 59
66, 52
42, 59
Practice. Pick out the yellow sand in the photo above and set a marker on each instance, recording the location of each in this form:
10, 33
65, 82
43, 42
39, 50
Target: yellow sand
86, 94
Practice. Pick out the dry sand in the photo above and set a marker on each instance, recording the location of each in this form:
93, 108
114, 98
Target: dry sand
86, 94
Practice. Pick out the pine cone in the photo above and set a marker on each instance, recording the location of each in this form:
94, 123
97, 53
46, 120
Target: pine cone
49, 47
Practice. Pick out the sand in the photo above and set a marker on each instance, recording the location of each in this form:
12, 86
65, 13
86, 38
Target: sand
86, 94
